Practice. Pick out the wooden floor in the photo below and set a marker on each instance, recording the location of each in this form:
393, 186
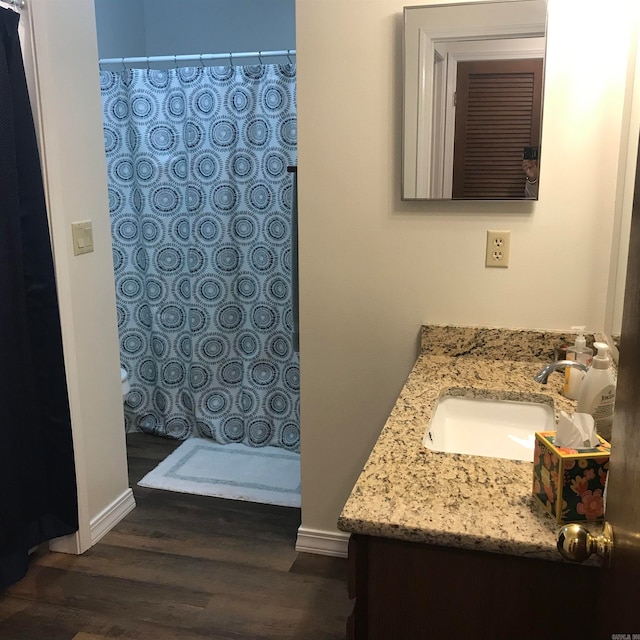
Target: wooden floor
182, 567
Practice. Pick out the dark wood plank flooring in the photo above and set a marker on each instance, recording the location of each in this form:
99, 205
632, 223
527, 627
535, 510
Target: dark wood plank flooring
182, 567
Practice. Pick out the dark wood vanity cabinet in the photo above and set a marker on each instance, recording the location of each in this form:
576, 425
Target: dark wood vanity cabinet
412, 591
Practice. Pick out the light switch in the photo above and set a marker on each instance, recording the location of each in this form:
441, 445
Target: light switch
82, 233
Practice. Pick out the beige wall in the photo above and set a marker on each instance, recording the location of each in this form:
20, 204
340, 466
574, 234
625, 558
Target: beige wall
68, 115
624, 195
373, 268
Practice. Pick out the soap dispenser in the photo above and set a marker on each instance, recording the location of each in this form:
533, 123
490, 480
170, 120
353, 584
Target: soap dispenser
598, 391
582, 354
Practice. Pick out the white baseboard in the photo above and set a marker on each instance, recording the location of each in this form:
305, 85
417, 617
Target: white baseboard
324, 543
68, 544
111, 515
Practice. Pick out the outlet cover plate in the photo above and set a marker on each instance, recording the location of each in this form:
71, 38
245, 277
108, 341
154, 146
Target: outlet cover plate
498, 249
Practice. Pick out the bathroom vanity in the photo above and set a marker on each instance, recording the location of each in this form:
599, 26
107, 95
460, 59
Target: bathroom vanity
450, 545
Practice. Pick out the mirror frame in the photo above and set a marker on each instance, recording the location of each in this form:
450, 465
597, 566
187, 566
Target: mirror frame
502, 19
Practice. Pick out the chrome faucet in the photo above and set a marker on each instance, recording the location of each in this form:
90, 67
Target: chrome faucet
544, 373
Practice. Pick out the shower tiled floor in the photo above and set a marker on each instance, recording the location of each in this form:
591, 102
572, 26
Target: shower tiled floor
182, 567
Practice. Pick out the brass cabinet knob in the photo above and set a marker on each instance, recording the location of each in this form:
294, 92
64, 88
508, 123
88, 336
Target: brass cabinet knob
576, 544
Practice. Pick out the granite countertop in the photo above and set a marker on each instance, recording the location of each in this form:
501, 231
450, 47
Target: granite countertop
409, 492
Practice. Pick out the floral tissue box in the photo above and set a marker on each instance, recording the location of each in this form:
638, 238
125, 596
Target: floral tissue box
570, 483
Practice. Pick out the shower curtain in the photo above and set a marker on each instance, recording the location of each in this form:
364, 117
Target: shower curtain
37, 472
200, 203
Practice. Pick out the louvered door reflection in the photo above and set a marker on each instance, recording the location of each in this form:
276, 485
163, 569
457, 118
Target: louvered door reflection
498, 105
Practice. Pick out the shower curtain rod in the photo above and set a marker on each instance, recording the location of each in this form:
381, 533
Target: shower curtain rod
145, 61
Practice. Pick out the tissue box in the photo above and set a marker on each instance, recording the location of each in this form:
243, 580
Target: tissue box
570, 483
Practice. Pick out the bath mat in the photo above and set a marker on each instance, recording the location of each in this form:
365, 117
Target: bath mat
269, 475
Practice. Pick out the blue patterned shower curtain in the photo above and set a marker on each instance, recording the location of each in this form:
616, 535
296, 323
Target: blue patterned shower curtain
201, 203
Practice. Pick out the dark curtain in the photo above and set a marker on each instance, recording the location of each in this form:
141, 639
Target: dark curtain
37, 472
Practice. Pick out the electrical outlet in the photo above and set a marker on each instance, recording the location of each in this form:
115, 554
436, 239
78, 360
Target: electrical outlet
498, 246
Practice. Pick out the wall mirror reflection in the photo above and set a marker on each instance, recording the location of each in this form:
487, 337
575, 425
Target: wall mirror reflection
473, 94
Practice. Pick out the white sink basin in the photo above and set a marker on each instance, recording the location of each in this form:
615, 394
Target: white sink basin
486, 427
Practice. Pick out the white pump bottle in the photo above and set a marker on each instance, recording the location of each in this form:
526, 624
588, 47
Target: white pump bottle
580, 353
598, 391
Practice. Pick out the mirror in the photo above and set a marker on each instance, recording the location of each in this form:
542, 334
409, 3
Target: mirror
473, 91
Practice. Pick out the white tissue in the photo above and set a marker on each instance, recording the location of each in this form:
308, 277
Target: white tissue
576, 432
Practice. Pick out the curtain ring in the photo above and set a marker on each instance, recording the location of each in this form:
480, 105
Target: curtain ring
231, 60
289, 56
148, 66
260, 57
201, 62
124, 68
175, 61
